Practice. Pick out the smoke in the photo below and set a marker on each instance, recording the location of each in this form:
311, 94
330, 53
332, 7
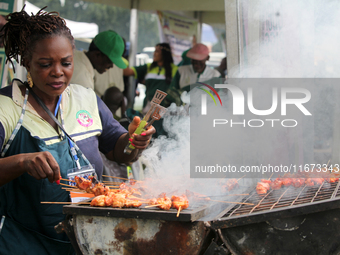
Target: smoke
288, 39
278, 40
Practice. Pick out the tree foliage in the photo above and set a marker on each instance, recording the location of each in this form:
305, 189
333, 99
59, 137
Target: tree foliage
106, 17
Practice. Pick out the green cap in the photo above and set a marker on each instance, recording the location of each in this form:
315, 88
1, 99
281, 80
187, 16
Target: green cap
112, 45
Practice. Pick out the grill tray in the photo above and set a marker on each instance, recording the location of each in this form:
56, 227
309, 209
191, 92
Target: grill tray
192, 213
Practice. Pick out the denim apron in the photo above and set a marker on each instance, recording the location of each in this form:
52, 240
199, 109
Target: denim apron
26, 225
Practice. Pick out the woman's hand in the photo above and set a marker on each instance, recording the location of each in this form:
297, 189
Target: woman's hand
140, 141
41, 165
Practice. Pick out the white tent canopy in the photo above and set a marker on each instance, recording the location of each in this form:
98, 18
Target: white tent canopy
79, 30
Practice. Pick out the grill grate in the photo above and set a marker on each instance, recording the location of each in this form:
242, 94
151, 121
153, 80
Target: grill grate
285, 202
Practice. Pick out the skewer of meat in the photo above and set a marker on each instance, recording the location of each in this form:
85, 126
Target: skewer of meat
102, 201
162, 202
263, 186
91, 186
115, 201
180, 203
297, 180
231, 184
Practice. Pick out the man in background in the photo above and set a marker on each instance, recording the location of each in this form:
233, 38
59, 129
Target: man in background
198, 71
105, 51
187, 75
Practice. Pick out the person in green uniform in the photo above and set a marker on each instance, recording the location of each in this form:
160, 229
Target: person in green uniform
47, 127
156, 75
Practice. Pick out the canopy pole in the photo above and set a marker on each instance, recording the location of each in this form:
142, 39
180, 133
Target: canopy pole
198, 16
133, 50
232, 34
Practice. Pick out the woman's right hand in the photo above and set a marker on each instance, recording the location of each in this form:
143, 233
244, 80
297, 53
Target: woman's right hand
41, 165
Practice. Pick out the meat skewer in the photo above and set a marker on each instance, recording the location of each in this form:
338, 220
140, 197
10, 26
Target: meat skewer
231, 184
65, 203
115, 201
163, 202
263, 186
296, 180
180, 201
148, 206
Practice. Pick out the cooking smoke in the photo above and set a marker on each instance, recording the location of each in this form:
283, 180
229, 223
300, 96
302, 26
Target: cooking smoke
279, 40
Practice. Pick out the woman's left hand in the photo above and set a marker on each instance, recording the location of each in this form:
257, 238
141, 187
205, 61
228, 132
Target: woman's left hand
140, 141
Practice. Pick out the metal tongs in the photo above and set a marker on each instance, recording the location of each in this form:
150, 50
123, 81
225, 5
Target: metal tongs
155, 112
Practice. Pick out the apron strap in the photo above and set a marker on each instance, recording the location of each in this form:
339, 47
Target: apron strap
17, 127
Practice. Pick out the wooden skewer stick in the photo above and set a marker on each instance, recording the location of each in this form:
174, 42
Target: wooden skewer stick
131, 196
68, 185
240, 178
179, 209
152, 205
115, 177
237, 195
66, 203
67, 180
112, 186
228, 202
270, 176
75, 190
112, 182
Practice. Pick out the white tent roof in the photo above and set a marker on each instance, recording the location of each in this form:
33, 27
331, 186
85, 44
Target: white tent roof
78, 29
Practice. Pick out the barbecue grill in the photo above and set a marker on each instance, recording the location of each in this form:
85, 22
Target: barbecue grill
286, 221
106, 230
290, 220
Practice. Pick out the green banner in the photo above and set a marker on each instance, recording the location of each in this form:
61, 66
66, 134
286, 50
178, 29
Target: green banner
6, 6
178, 32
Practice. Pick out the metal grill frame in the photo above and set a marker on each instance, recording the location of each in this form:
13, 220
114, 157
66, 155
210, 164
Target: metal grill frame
189, 214
283, 212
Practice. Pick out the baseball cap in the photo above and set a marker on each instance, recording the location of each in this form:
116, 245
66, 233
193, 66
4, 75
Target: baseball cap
112, 45
198, 52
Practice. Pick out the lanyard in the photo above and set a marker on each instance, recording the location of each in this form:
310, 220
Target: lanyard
73, 150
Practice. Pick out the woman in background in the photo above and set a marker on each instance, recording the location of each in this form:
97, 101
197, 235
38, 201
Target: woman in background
155, 75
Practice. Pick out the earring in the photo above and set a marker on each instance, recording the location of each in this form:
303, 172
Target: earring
29, 80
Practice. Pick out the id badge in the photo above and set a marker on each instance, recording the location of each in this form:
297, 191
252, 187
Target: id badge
85, 172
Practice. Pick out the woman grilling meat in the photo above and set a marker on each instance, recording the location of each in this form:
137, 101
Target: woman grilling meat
36, 149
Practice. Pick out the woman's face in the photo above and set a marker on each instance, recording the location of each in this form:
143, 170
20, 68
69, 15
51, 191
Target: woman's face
51, 66
157, 55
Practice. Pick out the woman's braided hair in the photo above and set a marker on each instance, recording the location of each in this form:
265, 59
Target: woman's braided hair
22, 31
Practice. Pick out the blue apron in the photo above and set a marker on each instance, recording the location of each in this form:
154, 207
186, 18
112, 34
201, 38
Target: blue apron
28, 226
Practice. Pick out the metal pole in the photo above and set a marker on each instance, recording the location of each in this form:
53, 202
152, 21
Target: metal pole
232, 34
133, 50
198, 16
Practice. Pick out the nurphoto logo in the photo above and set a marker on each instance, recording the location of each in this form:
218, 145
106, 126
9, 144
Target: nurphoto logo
279, 96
